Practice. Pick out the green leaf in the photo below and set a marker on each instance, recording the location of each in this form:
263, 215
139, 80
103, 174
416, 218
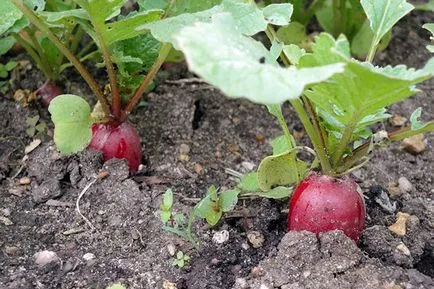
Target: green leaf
293, 53
361, 42
236, 67
228, 200
293, 33
383, 14
165, 216
167, 200
51, 52
71, 117
153, 4
6, 44
363, 90
280, 145
278, 14
430, 28
212, 217
280, 170
428, 6
125, 29
414, 119
9, 14
56, 16
192, 6
276, 193
249, 182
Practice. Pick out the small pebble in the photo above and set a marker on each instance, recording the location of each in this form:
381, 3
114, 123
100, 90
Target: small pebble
6, 212
245, 246
25, 181
198, 169
184, 149
248, 166
169, 285
399, 227
171, 249
221, 236
414, 144
404, 185
403, 249
240, 283
6, 221
12, 250
260, 138
398, 120
67, 267
88, 256
256, 239
45, 257
215, 261
234, 148
184, 157
257, 271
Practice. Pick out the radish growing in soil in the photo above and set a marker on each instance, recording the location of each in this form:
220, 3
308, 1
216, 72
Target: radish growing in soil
336, 97
106, 129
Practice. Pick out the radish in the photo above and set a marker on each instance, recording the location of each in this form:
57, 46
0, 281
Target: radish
322, 203
117, 141
47, 92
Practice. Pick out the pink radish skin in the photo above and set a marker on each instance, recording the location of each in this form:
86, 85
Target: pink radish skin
322, 203
118, 141
47, 92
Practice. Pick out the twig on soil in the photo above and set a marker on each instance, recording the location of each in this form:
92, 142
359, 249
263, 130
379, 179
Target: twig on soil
77, 203
186, 81
73, 231
100, 176
233, 173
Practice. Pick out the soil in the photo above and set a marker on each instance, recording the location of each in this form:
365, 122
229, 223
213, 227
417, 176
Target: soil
190, 135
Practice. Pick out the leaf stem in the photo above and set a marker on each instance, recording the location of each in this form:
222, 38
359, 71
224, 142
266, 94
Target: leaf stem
288, 136
342, 145
41, 52
116, 98
372, 50
164, 51
314, 137
80, 68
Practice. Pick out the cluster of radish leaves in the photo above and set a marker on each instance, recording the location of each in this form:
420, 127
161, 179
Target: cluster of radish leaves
335, 17
16, 28
336, 97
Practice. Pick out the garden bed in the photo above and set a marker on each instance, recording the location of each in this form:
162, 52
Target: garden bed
190, 134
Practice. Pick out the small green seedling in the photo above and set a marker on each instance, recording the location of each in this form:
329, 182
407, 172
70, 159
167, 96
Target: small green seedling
35, 126
180, 259
166, 206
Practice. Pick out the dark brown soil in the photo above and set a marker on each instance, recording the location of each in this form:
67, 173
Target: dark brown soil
216, 133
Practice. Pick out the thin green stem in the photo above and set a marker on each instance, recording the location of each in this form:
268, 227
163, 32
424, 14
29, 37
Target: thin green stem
82, 59
49, 72
314, 137
85, 49
288, 136
342, 145
164, 51
116, 97
80, 68
372, 50
316, 122
31, 51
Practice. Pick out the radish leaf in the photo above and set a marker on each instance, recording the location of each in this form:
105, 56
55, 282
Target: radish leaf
278, 14
280, 170
237, 67
383, 14
71, 117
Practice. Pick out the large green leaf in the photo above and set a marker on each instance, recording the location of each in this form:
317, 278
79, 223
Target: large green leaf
361, 42
383, 14
238, 66
71, 117
248, 19
357, 97
6, 43
9, 14
191, 6
278, 14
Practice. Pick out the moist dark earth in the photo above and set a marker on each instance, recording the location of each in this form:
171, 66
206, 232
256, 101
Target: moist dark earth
191, 133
